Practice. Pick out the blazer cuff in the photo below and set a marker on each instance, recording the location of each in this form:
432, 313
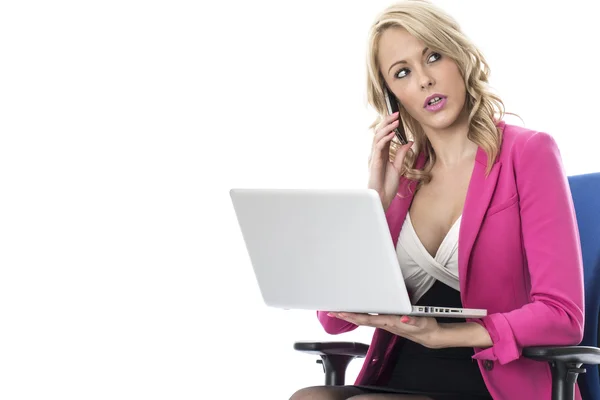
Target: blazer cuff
504, 348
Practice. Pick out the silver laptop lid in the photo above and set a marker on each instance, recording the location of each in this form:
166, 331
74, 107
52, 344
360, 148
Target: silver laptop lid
321, 249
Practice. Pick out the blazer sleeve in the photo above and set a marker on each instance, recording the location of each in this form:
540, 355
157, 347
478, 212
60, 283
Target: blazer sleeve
555, 315
333, 325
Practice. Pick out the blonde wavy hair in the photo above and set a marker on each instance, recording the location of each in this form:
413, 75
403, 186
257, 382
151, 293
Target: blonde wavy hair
441, 33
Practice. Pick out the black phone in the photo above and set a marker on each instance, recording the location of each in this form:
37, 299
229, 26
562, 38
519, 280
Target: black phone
392, 107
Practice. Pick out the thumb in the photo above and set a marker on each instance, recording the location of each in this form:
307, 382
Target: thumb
401, 154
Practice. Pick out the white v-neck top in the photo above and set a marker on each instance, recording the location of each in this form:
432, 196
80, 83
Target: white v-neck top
419, 268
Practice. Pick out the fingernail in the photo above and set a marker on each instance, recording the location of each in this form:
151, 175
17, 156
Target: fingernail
404, 319
331, 314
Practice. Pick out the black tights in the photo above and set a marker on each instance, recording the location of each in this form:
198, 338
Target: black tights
348, 392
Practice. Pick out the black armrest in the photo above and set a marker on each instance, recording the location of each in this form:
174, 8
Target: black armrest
565, 363
354, 349
335, 357
566, 354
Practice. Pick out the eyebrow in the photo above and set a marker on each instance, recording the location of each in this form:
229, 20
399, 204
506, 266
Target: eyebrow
404, 61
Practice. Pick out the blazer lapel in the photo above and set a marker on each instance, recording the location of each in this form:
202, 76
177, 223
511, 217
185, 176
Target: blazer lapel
479, 195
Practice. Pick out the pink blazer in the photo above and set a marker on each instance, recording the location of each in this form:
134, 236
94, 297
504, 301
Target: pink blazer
519, 257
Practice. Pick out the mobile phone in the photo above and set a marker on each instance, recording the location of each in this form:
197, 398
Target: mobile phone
392, 107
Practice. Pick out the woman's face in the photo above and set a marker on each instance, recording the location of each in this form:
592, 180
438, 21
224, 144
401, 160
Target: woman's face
417, 75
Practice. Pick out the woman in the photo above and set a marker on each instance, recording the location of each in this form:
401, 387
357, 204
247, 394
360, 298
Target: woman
481, 215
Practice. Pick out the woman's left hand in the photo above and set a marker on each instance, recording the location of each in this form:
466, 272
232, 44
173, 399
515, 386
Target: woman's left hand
422, 330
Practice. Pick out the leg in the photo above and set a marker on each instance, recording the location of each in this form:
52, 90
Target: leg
348, 393
389, 396
326, 393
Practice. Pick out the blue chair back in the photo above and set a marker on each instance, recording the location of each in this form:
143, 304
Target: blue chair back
585, 190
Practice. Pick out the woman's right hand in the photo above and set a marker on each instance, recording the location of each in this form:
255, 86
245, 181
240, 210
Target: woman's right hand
384, 175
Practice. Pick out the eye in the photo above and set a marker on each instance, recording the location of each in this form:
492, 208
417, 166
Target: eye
432, 55
399, 74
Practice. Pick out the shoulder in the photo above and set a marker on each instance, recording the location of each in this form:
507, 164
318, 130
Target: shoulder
519, 142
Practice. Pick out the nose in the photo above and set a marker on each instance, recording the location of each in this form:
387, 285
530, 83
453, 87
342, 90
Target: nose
426, 81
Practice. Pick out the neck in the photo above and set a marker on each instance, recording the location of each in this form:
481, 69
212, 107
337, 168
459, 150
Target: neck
451, 145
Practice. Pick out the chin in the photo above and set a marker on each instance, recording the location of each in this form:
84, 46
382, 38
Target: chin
441, 122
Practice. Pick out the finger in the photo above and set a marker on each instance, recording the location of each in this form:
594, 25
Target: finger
355, 318
417, 322
390, 122
380, 151
385, 130
401, 154
384, 142
391, 117
387, 120
376, 321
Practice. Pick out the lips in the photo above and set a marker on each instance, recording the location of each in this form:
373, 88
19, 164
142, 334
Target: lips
433, 96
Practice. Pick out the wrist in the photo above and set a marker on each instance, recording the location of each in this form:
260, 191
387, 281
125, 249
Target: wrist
438, 338
462, 334
384, 202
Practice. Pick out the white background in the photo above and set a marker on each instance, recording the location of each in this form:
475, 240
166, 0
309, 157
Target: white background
123, 125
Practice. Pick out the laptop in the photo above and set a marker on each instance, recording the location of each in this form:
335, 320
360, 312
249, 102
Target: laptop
328, 250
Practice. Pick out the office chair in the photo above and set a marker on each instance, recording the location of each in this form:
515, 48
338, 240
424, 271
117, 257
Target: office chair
568, 363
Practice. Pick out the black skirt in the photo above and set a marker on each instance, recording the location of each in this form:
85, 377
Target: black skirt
448, 373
